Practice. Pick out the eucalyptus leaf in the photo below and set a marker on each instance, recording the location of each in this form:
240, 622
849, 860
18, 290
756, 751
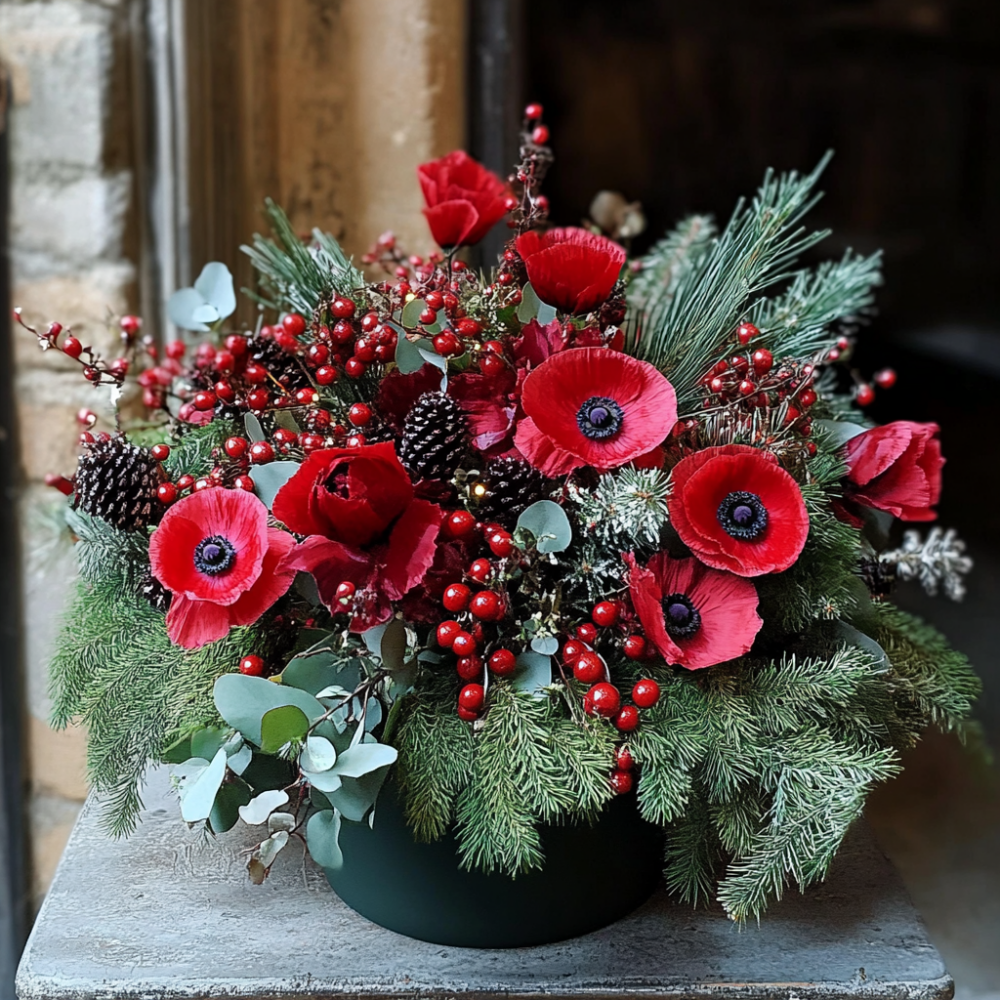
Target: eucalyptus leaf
410, 317
324, 781
373, 714
363, 759
198, 796
532, 673
242, 702
206, 742
225, 809
261, 806
548, 522
206, 313
215, 286
270, 848
372, 638
843, 634
408, 357
269, 478
318, 671
392, 645
357, 795
239, 761
840, 431
323, 839
547, 645
528, 308
318, 754
281, 725
181, 308
280, 821
254, 430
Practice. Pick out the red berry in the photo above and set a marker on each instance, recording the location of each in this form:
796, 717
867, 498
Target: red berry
586, 632
72, 347
480, 570
464, 644
833, 355
326, 374
468, 327
491, 364
467, 716
160, 451
446, 633
763, 361
176, 349
493, 346
806, 397
886, 378
865, 395
355, 440
130, 325
447, 344
244, 483
257, 399
588, 667
235, 447
91, 374
634, 647
434, 300
427, 316
294, 324
572, 649
185, 481
460, 523
255, 374
364, 350
225, 362
342, 308
717, 385
533, 111
469, 667
747, 388
317, 354
501, 543
306, 396
627, 718
646, 693
745, 332
456, 597
342, 332
204, 400
487, 606
602, 699
369, 321
224, 391
355, 368
624, 759
605, 613
843, 343
471, 697
540, 135
236, 345
252, 666
360, 414
166, 492
621, 782
503, 662
284, 436
261, 451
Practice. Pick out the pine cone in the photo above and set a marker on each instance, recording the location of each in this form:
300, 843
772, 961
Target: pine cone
512, 486
285, 367
153, 591
116, 481
435, 438
879, 577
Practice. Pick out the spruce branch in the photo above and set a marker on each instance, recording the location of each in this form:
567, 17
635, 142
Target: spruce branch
626, 510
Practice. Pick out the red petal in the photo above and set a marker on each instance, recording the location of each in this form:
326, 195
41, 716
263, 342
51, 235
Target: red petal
273, 583
541, 451
647, 597
330, 563
193, 624
451, 222
410, 552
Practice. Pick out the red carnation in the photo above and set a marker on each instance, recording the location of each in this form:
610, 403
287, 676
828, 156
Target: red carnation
896, 468
364, 527
570, 268
215, 553
735, 508
593, 406
464, 200
695, 616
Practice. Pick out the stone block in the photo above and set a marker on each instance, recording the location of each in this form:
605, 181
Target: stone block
52, 820
57, 760
66, 226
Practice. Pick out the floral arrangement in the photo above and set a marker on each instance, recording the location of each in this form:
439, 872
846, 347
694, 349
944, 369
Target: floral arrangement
520, 539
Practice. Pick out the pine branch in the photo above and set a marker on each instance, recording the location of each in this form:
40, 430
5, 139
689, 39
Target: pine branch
671, 257
193, 450
681, 328
626, 510
939, 560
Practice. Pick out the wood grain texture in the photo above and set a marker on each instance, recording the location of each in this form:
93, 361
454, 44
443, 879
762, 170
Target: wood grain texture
167, 914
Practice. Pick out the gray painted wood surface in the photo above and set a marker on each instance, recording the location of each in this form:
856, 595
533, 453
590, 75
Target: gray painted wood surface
168, 914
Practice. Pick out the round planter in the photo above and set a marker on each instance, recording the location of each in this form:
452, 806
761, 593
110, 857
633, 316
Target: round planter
593, 875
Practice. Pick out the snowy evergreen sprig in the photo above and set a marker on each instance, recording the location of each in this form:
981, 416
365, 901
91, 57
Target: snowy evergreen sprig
627, 509
937, 561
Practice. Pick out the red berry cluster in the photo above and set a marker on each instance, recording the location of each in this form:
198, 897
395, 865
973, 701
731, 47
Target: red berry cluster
95, 370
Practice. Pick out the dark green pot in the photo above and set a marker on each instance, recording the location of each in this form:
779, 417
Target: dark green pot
593, 875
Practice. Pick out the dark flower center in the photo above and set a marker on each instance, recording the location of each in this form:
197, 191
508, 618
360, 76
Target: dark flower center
336, 481
599, 418
214, 556
680, 616
742, 515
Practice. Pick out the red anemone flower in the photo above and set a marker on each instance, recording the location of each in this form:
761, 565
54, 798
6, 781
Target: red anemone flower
364, 527
695, 616
735, 508
896, 468
215, 553
593, 406
464, 200
570, 268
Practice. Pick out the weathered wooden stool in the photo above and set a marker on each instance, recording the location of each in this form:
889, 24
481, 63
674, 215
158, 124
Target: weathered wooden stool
167, 915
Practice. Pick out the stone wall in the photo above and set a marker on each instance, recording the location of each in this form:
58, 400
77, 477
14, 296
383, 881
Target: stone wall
328, 105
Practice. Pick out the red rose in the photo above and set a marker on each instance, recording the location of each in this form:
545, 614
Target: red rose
736, 509
695, 616
364, 527
215, 553
592, 406
464, 200
896, 468
571, 269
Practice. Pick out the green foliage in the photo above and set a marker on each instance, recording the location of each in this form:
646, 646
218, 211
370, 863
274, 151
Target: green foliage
683, 324
296, 276
626, 510
192, 449
670, 259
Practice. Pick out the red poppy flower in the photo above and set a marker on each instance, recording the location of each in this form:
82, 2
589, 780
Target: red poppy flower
593, 406
464, 200
735, 508
695, 616
896, 468
570, 268
215, 553
364, 527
